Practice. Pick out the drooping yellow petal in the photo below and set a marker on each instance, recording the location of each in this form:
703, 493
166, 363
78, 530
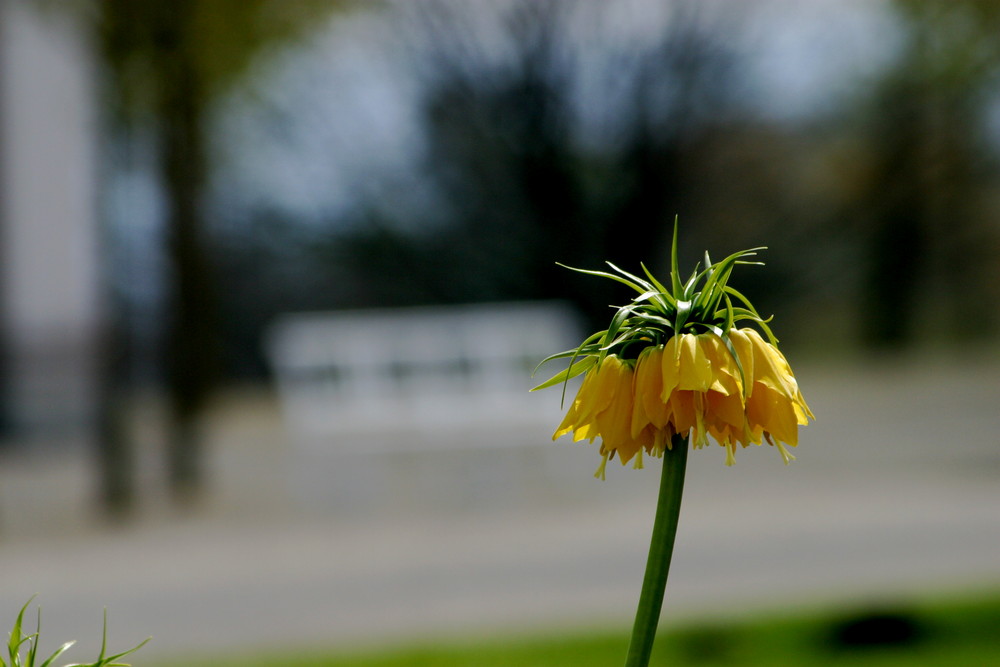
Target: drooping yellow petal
586, 431
670, 366
682, 412
726, 408
695, 372
770, 366
650, 407
605, 385
576, 415
802, 412
771, 410
635, 446
615, 422
725, 372
571, 420
596, 393
778, 374
744, 350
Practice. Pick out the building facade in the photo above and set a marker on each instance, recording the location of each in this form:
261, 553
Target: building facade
50, 303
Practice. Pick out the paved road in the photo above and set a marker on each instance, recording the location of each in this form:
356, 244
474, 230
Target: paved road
894, 494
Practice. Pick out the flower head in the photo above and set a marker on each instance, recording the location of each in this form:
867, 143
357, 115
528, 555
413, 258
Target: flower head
673, 362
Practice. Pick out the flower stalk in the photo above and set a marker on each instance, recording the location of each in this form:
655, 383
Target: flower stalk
661, 548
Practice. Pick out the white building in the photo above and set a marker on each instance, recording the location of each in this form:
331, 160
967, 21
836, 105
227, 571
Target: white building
49, 270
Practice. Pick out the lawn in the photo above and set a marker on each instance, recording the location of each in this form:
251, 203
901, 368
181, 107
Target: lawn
938, 633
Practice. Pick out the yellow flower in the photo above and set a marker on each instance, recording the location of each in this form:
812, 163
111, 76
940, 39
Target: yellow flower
695, 385
673, 363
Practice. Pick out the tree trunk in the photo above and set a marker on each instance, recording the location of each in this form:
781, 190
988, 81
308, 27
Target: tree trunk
115, 451
190, 344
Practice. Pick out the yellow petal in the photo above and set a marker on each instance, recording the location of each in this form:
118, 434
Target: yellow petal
770, 410
779, 374
670, 365
744, 350
615, 422
726, 408
682, 412
577, 414
695, 370
648, 391
770, 366
586, 431
726, 377
599, 395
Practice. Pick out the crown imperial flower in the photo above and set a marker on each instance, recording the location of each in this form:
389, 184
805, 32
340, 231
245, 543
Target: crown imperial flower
673, 363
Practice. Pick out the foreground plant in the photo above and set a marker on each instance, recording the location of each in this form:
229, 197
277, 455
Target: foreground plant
19, 642
672, 368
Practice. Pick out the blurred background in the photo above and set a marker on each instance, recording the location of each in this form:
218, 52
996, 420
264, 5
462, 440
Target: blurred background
196, 195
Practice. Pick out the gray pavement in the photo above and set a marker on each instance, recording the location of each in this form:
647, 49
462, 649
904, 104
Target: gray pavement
894, 495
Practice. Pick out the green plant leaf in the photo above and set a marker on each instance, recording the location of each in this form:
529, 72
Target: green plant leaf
576, 368
62, 649
111, 660
17, 639
683, 310
667, 296
675, 271
639, 281
612, 331
754, 315
605, 274
657, 319
656, 298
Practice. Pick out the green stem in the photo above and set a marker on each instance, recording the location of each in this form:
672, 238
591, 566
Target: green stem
661, 547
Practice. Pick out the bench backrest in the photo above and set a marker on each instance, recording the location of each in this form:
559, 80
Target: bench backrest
427, 366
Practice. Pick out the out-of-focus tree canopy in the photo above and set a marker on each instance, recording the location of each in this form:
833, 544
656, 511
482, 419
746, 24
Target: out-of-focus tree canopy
927, 210
220, 37
547, 131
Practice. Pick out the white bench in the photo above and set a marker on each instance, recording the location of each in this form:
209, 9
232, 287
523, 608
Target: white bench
413, 379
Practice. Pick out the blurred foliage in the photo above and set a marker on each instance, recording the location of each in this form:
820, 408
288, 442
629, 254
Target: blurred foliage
220, 37
547, 133
928, 206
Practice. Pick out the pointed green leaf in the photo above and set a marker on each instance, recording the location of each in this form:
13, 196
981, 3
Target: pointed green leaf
612, 331
62, 649
683, 311
675, 270
17, 638
576, 368
668, 297
637, 279
604, 274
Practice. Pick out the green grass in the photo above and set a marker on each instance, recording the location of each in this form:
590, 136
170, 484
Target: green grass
932, 634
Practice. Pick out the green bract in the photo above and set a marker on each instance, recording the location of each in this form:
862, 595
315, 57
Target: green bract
702, 303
